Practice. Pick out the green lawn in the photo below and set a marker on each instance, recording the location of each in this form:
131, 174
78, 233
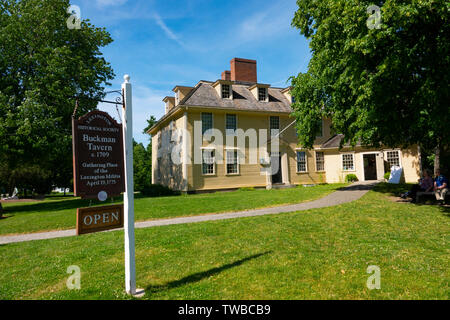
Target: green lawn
58, 213
315, 254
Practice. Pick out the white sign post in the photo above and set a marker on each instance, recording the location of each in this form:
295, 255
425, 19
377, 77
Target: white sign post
127, 122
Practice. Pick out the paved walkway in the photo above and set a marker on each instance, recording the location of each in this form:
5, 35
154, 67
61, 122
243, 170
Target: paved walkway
345, 195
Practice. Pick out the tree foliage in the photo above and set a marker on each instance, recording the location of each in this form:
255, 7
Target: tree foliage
150, 123
142, 160
43, 64
379, 86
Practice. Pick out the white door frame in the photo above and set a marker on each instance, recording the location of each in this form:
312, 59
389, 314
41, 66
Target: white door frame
377, 158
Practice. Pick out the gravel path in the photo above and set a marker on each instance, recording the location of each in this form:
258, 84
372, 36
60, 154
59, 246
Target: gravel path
345, 195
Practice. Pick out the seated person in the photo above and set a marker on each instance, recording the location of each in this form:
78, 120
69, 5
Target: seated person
425, 185
440, 186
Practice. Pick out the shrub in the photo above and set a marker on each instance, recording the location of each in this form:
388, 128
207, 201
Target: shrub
158, 190
387, 175
351, 178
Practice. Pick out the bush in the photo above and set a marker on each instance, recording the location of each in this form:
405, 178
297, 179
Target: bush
387, 175
351, 178
158, 190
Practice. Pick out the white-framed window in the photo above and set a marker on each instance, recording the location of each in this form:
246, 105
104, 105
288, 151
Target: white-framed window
232, 163
302, 165
226, 91
262, 94
177, 98
320, 161
207, 122
393, 158
231, 124
348, 163
208, 162
274, 125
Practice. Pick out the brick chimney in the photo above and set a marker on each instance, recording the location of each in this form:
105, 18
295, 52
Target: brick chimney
226, 75
243, 70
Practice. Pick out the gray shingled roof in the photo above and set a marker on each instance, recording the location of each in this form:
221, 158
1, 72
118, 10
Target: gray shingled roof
335, 142
205, 95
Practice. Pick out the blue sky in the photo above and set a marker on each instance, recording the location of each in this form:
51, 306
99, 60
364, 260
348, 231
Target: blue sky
161, 44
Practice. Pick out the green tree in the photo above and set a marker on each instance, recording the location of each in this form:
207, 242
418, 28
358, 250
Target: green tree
43, 64
150, 123
386, 85
142, 165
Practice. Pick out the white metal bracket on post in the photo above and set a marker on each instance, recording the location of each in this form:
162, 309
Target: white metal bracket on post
128, 199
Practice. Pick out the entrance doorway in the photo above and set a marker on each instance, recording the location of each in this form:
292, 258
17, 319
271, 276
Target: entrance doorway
370, 167
277, 177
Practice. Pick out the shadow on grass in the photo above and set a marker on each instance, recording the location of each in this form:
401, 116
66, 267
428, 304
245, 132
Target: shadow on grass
201, 275
45, 207
358, 187
392, 189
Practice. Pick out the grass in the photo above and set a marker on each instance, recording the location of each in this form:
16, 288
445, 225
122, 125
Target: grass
314, 254
59, 213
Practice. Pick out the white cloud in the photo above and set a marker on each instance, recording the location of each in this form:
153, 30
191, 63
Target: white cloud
167, 30
146, 102
265, 24
110, 3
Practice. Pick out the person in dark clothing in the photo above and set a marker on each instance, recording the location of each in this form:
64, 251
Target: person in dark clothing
426, 184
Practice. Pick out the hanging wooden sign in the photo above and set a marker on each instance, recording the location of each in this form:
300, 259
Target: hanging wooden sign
98, 165
96, 219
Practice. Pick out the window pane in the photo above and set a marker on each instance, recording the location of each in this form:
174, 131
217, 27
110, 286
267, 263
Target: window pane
208, 161
231, 125
232, 163
206, 122
301, 161
393, 158
347, 162
320, 161
226, 92
274, 125
262, 94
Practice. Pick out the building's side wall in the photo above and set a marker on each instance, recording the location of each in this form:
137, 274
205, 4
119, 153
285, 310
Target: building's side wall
167, 170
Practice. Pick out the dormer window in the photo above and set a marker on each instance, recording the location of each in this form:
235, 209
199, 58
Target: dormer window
262, 94
177, 98
224, 88
226, 91
260, 91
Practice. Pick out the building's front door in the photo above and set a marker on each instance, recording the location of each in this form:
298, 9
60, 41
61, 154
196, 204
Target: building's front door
277, 177
370, 167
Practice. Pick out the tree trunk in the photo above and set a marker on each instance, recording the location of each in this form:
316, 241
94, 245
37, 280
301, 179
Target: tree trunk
1, 210
437, 158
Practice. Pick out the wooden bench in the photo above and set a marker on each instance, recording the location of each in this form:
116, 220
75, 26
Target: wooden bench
419, 194
431, 193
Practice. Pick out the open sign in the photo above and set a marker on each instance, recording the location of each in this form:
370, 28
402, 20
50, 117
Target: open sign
96, 219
